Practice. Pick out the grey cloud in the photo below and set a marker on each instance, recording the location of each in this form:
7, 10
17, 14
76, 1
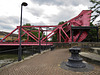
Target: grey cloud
48, 2
78, 2
39, 23
36, 11
25, 21
6, 27
62, 2
8, 23
9, 20
64, 15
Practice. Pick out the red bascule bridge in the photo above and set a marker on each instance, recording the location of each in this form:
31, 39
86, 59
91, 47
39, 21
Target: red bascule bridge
76, 27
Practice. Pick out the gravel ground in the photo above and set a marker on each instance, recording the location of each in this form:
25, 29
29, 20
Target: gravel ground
45, 64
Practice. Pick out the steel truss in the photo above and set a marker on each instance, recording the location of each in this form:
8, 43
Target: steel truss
83, 19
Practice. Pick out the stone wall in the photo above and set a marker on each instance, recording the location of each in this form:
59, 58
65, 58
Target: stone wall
85, 46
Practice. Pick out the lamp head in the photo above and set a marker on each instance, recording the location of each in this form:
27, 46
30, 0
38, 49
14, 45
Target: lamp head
24, 4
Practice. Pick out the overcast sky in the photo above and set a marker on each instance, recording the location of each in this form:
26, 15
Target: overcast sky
39, 12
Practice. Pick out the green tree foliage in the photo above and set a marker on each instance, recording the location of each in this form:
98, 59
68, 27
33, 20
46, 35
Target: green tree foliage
92, 35
62, 22
29, 28
95, 8
27, 24
54, 38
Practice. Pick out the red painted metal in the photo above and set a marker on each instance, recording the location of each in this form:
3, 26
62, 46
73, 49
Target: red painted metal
29, 34
24, 43
33, 35
83, 19
51, 36
38, 26
65, 34
63, 38
39, 34
18, 37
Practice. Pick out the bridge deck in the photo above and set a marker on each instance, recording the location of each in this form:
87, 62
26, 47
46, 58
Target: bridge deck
24, 43
45, 64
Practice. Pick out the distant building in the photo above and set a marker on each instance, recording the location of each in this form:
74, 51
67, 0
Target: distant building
12, 37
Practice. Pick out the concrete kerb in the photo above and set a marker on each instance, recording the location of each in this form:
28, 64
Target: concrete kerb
27, 58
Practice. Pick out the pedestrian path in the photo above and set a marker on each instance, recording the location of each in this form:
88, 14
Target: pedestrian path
45, 64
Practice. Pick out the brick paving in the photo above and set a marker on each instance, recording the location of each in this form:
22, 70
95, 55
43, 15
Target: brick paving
45, 64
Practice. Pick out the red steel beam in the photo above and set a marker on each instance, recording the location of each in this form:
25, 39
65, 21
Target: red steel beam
82, 13
65, 33
29, 34
18, 34
49, 34
21, 36
27, 37
59, 35
32, 30
37, 30
39, 34
24, 44
63, 37
33, 35
40, 26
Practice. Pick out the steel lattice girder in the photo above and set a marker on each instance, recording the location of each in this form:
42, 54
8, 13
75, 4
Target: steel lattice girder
83, 19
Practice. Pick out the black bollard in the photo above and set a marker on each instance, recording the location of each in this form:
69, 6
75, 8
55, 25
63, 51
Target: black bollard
75, 61
52, 48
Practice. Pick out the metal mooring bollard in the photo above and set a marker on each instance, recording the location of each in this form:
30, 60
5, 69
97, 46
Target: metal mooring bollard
75, 61
52, 48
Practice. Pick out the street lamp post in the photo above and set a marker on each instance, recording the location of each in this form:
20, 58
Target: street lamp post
20, 48
40, 45
47, 28
46, 37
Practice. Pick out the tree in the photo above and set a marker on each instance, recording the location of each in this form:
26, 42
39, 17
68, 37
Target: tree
95, 9
92, 35
62, 22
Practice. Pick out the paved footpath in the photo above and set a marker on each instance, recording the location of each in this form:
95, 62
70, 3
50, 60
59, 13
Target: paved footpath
45, 64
